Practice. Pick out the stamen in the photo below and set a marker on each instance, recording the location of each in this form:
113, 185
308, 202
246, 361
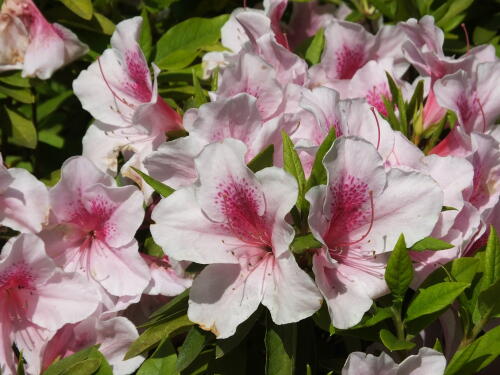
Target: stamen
378, 126
108, 85
372, 217
482, 113
244, 4
466, 36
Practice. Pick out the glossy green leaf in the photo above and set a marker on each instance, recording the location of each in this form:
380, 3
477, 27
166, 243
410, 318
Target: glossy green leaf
182, 42
281, 345
434, 298
20, 94
489, 300
61, 365
318, 171
430, 243
477, 355
162, 361
153, 335
492, 258
399, 271
51, 105
82, 8
313, 52
293, 165
23, 130
146, 38
392, 343
159, 187
193, 345
262, 160
107, 26
305, 242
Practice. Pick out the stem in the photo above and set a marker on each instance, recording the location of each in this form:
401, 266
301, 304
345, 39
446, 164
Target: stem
475, 332
398, 323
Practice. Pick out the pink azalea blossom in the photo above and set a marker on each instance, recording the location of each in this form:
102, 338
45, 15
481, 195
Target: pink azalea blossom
32, 43
426, 362
358, 216
474, 99
348, 117
114, 336
24, 201
93, 227
168, 277
118, 92
348, 47
424, 50
36, 300
234, 221
236, 117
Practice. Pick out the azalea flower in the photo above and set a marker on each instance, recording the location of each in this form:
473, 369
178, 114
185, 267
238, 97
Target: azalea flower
24, 201
474, 99
37, 299
234, 221
33, 44
114, 336
92, 230
427, 361
118, 92
348, 47
358, 217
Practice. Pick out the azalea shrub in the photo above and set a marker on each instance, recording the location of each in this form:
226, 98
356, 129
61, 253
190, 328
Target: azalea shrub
215, 187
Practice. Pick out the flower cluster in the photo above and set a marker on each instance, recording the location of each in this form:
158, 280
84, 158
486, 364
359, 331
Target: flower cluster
285, 150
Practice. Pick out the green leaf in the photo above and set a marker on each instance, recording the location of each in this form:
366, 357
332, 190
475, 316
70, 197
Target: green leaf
455, 8
489, 301
477, 355
15, 79
430, 243
20, 365
293, 165
162, 361
434, 298
159, 187
50, 106
23, 130
313, 52
178, 304
51, 137
199, 94
318, 171
381, 314
262, 160
399, 271
464, 269
19, 94
182, 42
153, 335
61, 365
193, 345
82, 8
492, 259
305, 242
86, 367
107, 26
281, 345
146, 39
392, 343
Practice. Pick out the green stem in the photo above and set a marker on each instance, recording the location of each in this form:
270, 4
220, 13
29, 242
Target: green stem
476, 330
398, 323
